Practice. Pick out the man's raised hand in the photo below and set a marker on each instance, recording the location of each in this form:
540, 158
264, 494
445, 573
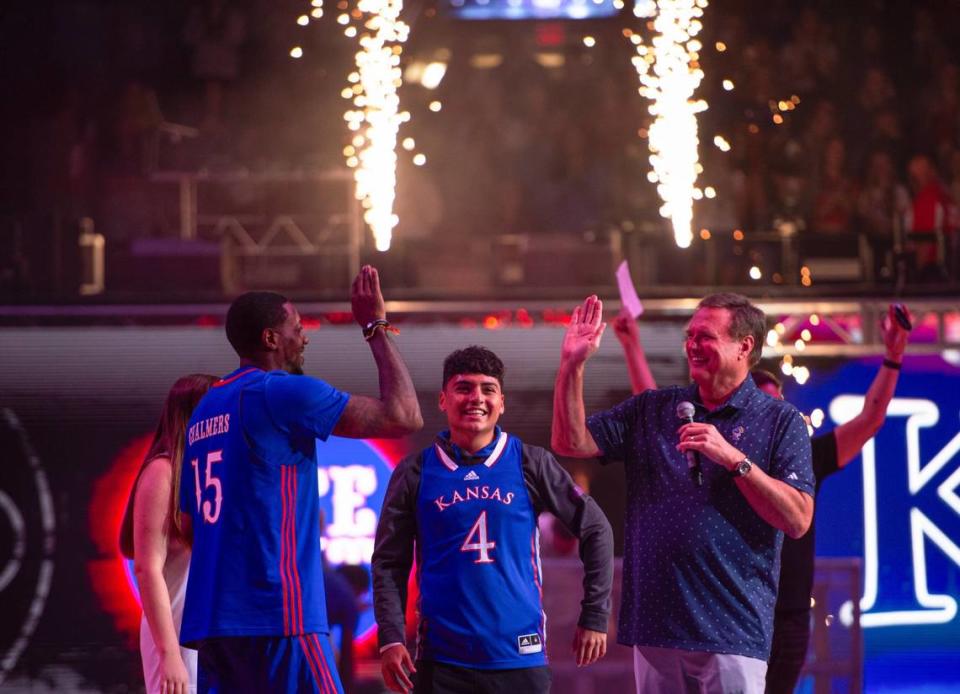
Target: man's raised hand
583, 334
895, 335
366, 299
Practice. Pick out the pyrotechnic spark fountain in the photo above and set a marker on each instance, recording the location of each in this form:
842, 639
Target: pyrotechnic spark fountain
669, 72
376, 116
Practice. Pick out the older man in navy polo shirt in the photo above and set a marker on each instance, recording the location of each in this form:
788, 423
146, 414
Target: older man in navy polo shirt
708, 500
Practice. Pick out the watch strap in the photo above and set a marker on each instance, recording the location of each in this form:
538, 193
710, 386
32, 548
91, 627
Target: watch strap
742, 468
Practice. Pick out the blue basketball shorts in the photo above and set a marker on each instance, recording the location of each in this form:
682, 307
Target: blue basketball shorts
275, 664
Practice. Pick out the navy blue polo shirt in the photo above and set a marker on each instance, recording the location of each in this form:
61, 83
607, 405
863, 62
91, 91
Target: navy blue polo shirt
700, 566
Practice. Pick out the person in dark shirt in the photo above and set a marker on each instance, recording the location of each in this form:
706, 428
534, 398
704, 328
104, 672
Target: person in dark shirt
468, 507
702, 540
832, 451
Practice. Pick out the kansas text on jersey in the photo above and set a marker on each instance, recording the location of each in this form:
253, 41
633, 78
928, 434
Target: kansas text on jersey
479, 562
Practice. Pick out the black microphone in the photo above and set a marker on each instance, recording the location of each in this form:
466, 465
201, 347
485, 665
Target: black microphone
685, 411
901, 316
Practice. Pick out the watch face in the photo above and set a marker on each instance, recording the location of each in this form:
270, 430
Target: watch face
744, 467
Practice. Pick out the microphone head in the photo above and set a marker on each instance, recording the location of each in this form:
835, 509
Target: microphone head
686, 410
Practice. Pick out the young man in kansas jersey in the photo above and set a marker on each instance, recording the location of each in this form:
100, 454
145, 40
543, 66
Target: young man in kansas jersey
469, 504
255, 598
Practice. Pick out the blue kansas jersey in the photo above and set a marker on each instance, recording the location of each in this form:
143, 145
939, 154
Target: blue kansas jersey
249, 482
479, 562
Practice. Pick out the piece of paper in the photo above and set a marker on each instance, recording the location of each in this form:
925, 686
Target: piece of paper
628, 293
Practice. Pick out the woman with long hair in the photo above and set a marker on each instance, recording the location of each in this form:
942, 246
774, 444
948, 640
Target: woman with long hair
153, 537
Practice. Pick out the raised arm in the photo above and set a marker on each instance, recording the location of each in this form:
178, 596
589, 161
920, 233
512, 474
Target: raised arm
852, 435
151, 530
627, 332
396, 412
569, 435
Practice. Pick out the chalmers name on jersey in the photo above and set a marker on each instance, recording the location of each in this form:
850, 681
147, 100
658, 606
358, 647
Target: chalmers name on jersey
479, 562
249, 483
211, 426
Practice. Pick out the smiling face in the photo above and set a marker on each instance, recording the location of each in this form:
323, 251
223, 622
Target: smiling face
713, 354
290, 341
473, 404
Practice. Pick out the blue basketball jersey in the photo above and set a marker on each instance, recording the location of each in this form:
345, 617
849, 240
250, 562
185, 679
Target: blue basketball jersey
249, 483
479, 562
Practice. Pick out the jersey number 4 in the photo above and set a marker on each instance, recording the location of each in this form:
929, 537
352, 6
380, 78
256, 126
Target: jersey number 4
211, 510
476, 541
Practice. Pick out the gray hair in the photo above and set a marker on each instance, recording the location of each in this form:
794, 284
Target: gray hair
745, 319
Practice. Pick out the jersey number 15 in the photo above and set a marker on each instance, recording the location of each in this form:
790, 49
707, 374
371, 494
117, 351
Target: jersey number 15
211, 510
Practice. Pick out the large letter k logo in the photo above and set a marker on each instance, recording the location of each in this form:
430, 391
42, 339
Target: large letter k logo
901, 491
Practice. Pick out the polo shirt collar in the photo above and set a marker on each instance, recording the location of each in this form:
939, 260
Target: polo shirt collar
738, 400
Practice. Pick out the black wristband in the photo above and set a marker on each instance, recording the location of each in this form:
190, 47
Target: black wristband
890, 364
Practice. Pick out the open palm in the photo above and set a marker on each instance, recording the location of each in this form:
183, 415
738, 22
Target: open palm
586, 328
366, 298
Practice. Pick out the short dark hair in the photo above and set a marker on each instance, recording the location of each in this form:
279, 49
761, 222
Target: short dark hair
249, 315
745, 319
472, 360
762, 377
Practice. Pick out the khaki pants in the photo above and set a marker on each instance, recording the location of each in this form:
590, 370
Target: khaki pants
675, 671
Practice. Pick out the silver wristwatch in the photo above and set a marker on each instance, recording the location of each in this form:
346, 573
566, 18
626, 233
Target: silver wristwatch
742, 468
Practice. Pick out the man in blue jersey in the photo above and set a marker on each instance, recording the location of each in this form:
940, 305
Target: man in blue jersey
704, 530
469, 506
255, 599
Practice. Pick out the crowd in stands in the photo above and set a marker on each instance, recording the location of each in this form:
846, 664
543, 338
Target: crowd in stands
872, 146
844, 125
844, 119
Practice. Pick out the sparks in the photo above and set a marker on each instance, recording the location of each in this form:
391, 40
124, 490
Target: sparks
376, 116
669, 74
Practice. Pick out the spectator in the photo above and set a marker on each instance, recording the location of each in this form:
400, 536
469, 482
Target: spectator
931, 221
823, 127
886, 133
836, 196
811, 57
943, 107
881, 206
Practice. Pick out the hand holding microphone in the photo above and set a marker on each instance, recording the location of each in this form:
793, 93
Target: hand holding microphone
698, 438
686, 411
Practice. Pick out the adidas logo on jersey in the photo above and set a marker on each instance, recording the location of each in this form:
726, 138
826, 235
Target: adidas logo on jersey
792, 476
529, 643
471, 476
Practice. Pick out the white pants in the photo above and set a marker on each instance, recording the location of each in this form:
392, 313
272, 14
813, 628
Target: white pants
675, 671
